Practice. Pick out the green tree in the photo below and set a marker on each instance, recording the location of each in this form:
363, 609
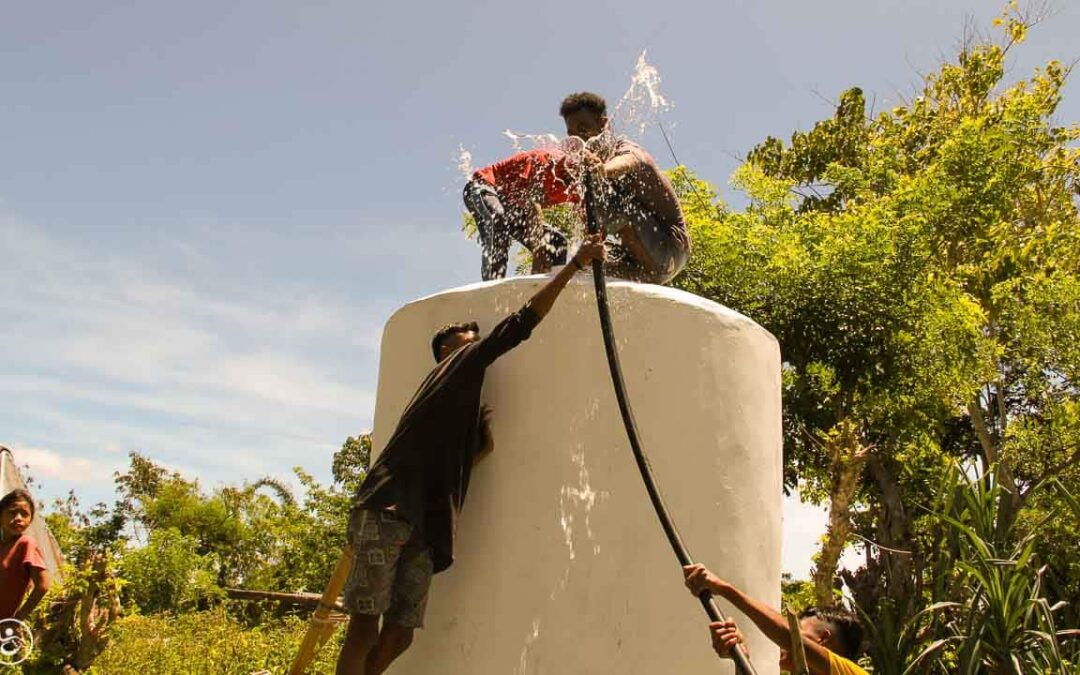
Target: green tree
312, 533
919, 268
71, 626
167, 574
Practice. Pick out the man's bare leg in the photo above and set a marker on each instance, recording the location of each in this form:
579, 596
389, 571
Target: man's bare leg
360, 641
641, 267
534, 240
392, 643
541, 262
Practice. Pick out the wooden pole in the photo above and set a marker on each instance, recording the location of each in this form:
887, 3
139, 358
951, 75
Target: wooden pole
798, 651
299, 599
323, 621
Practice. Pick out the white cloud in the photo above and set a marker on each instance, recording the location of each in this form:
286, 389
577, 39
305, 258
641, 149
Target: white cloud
50, 464
105, 352
132, 325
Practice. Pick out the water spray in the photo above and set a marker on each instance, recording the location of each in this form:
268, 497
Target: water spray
742, 661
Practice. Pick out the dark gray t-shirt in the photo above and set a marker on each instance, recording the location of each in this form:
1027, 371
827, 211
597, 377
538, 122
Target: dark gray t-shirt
424, 470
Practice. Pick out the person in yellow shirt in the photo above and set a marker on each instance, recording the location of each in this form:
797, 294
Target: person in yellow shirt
831, 638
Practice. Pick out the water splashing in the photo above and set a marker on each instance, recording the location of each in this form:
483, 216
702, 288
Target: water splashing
523, 660
580, 498
534, 141
464, 162
642, 104
640, 107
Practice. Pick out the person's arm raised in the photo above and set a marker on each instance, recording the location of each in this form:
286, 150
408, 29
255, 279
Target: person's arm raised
515, 328
768, 620
591, 249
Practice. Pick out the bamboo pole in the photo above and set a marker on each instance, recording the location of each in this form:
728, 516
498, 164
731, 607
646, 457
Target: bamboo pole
324, 620
798, 651
301, 599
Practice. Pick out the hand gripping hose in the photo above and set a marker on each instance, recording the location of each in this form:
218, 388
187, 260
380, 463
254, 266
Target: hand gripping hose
742, 662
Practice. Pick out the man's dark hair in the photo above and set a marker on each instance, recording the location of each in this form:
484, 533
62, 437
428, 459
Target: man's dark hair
583, 100
18, 495
447, 331
845, 626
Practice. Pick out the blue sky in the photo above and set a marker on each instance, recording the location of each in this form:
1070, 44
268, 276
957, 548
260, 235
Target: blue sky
208, 210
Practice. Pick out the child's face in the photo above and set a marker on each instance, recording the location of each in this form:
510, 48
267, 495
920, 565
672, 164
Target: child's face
15, 519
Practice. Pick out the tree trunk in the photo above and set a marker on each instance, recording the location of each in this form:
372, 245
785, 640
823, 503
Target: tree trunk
848, 457
893, 532
991, 451
97, 612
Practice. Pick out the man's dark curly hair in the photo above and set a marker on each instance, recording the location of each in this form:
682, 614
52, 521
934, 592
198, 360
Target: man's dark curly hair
583, 100
447, 331
844, 625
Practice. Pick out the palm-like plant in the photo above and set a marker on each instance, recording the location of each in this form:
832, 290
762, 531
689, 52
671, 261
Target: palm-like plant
996, 618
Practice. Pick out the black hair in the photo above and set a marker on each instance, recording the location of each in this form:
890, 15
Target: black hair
18, 495
583, 100
447, 331
845, 626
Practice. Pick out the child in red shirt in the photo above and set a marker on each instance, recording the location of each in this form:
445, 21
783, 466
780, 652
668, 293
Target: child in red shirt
21, 562
505, 199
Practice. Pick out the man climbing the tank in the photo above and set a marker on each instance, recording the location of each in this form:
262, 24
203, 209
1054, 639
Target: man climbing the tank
634, 200
404, 516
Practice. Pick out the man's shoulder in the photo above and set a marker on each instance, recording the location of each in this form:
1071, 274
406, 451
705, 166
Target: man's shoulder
25, 542
625, 146
838, 665
507, 334
24, 549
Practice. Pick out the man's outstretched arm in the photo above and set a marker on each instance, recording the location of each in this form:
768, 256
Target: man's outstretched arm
591, 249
515, 328
768, 620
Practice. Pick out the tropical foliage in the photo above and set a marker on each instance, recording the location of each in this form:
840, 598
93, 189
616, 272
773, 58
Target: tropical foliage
153, 570
919, 266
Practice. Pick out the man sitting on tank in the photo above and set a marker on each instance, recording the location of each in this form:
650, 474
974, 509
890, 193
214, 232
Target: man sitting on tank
633, 199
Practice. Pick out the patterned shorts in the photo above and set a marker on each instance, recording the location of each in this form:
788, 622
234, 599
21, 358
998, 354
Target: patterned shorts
391, 570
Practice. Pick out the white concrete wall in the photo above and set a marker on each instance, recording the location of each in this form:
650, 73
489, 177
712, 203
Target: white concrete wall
562, 567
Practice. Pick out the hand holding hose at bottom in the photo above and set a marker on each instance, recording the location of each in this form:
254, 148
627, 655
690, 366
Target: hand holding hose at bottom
725, 634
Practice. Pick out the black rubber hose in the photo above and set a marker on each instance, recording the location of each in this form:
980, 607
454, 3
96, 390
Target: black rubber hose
742, 662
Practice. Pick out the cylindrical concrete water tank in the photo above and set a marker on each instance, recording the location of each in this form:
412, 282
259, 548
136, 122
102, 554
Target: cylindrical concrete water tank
561, 565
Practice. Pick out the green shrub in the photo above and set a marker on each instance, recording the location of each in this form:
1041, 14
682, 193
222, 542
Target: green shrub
210, 643
167, 574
